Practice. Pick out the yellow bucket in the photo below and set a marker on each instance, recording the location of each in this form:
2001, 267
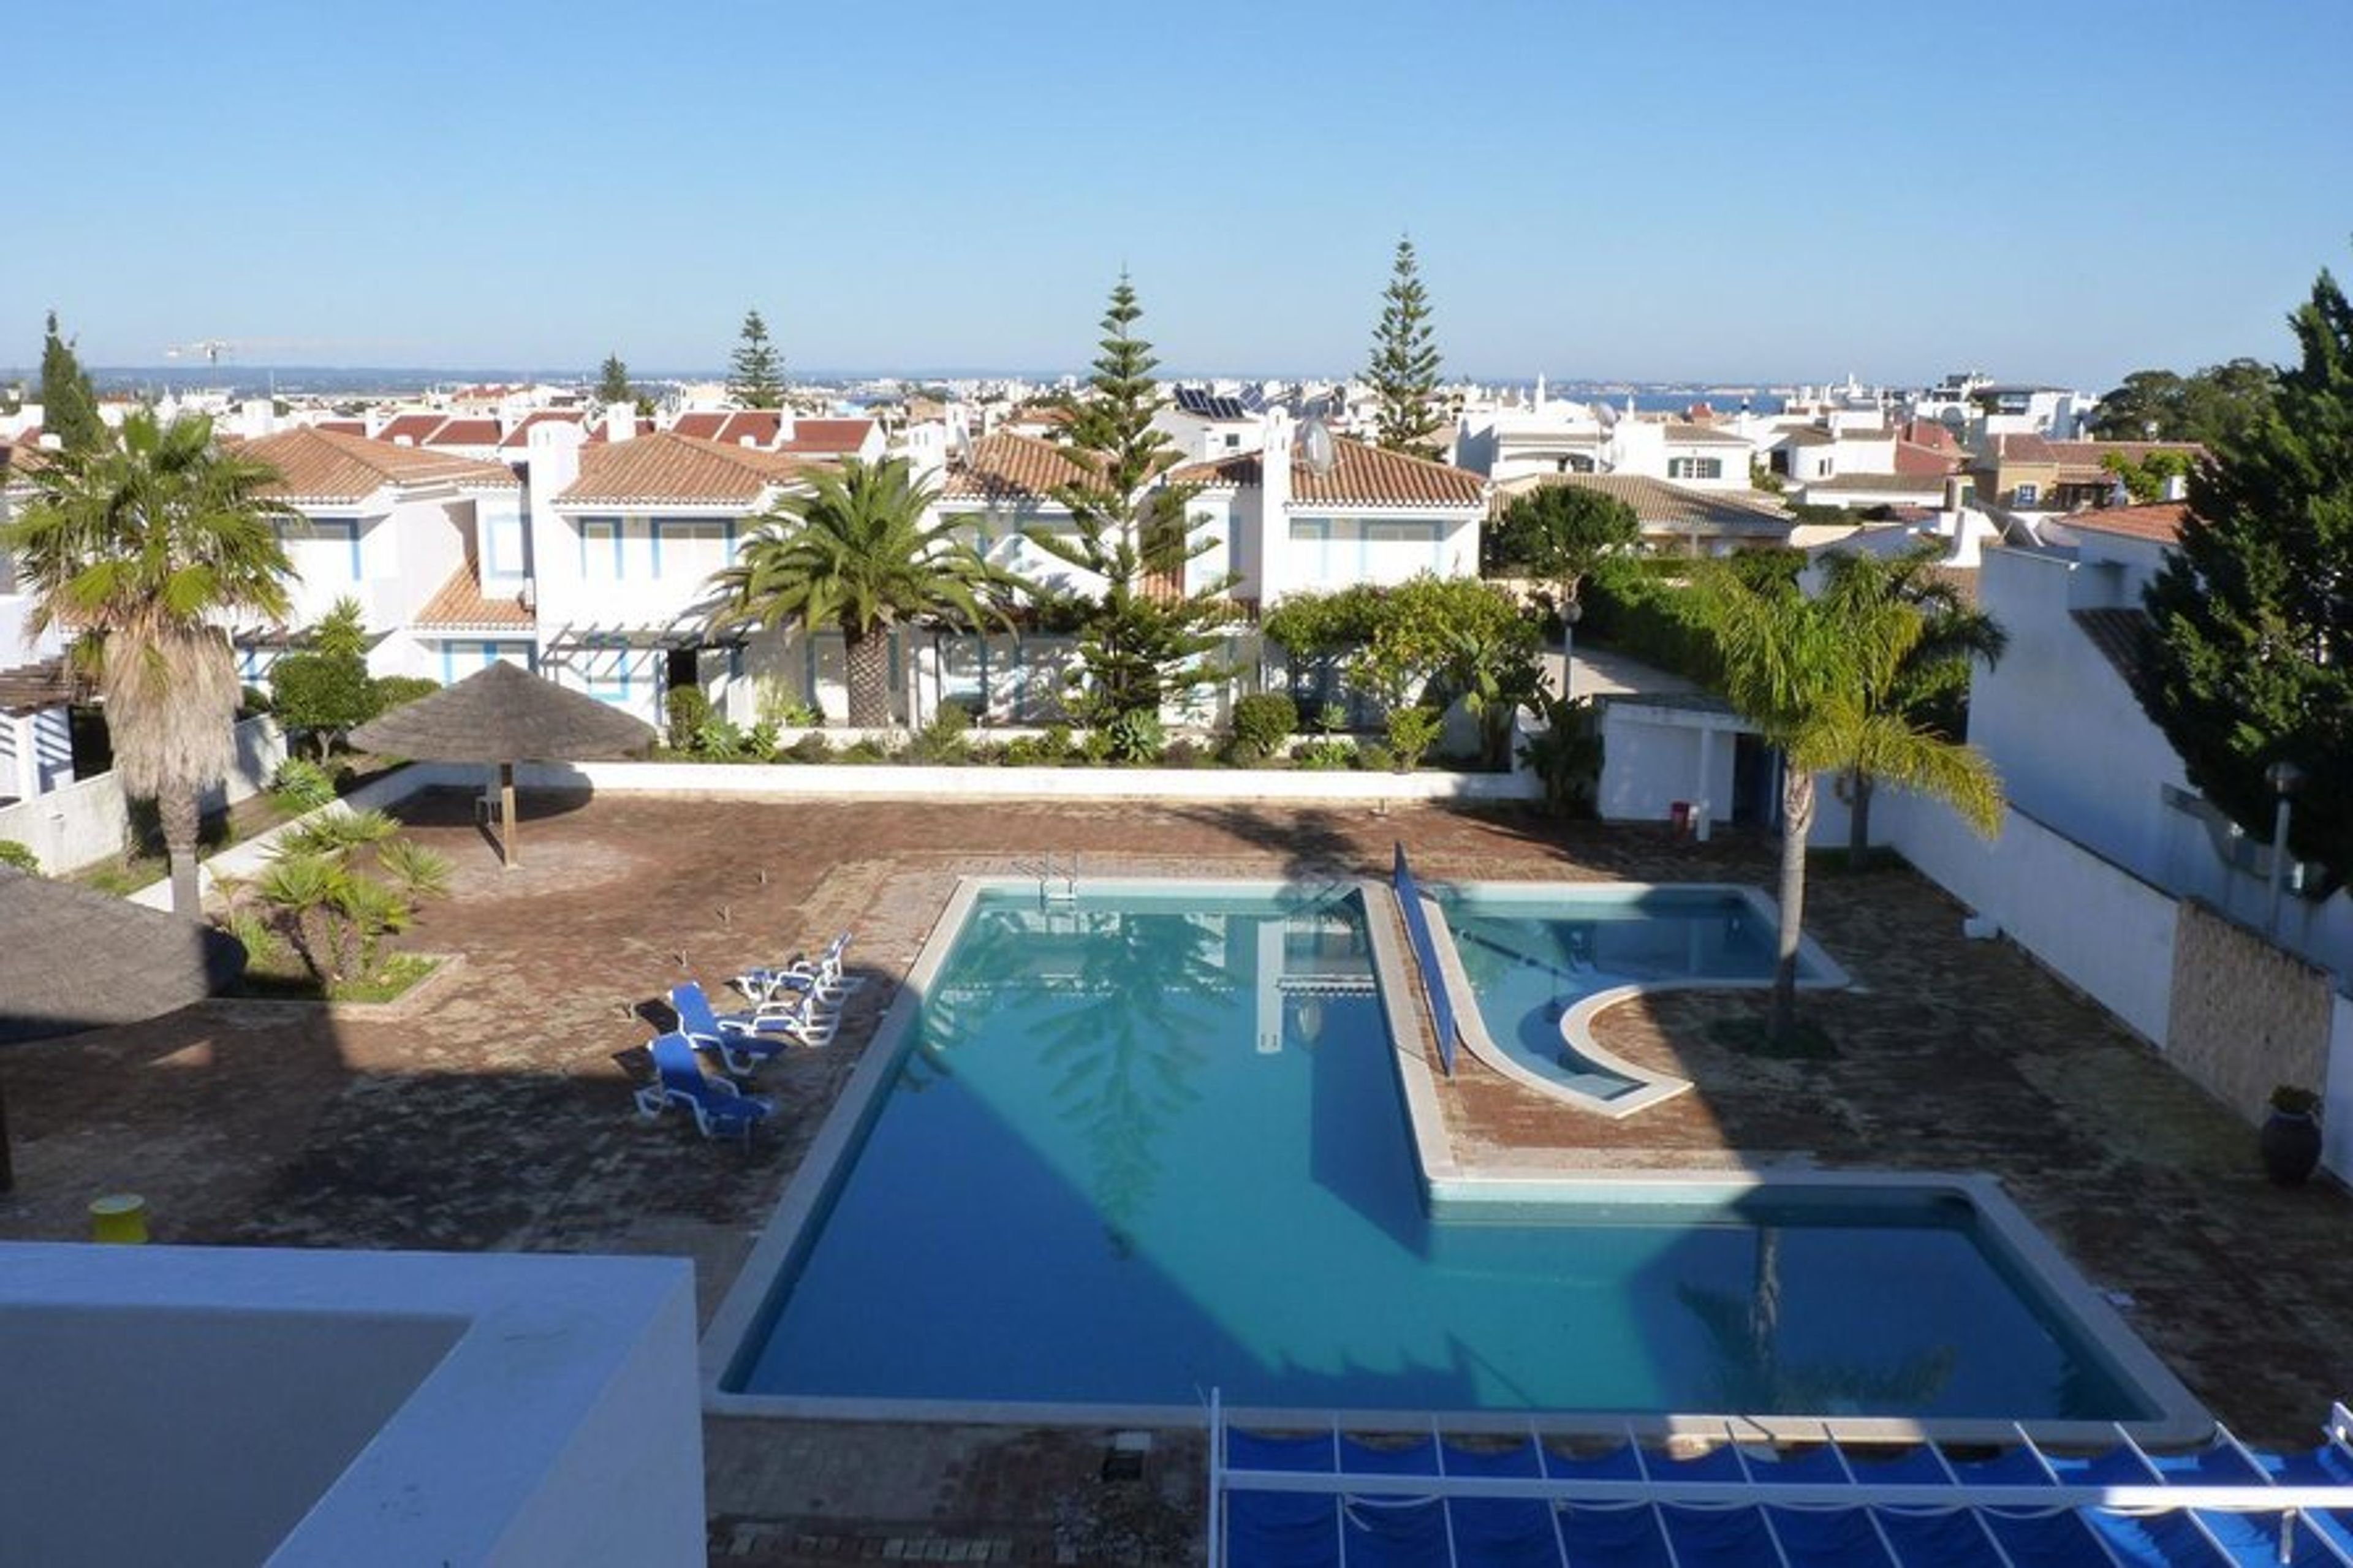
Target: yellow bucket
119, 1216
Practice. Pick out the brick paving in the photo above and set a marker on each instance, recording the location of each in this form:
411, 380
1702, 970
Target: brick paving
492, 1112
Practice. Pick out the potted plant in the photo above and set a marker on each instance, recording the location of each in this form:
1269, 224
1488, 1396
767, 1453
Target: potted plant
2291, 1135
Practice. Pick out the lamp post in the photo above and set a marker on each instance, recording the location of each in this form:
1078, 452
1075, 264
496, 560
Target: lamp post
1571, 612
2286, 779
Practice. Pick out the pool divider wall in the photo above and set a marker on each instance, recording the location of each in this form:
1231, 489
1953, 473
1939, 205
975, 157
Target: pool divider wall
1447, 1183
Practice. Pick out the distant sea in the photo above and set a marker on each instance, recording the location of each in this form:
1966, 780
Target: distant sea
318, 381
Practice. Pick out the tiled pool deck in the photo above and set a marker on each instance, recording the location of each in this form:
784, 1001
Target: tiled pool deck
492, 1112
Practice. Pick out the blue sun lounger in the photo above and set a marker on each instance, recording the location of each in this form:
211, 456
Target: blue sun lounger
744, 1040
718, 1105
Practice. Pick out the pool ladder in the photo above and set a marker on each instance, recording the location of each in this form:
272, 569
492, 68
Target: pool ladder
1056, 885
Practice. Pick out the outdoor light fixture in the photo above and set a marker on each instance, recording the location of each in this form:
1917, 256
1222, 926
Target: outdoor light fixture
2285, 778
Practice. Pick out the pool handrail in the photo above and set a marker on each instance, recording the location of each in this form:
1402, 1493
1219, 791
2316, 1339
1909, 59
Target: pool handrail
1425, 958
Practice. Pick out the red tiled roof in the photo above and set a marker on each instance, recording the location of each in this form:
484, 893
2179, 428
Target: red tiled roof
341, 426
1665, 507
1931, 433
519, 436
597, 431
2160, 522
2027, 448
1912, 457
2091, 452
1361, 475
460, 604
411, 428
326, 466
668, 467
473, 432
1010, 466
2117, 633
733, 425
828, 437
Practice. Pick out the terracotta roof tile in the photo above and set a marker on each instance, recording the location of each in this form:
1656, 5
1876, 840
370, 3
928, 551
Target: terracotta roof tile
828, 437
1361, 475
1009, 467
1686, 433
597, 431
29, 687
474, 432
1913, 458
2024, 449
2160, 522
324, 465
341, 427
1679, 509
2118, 633
460, 604
668, 467
411, 428
520, 437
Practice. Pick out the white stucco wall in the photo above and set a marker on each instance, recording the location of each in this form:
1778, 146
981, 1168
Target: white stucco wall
219, 1406
1655, 756
86, 820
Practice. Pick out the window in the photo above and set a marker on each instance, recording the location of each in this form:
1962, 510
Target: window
1695, 468
600, 550
1233, 442
2028, 494
692, 550
323, 550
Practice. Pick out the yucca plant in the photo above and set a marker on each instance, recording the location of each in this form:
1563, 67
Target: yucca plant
417, 870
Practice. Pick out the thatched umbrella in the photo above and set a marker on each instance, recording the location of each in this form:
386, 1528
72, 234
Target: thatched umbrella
73, 958
504, 715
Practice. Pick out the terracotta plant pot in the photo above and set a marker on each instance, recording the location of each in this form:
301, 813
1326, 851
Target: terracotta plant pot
2291, 1147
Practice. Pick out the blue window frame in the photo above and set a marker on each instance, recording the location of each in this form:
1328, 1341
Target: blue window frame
600, 549
346, 529
680, 532
462, 659
502, 547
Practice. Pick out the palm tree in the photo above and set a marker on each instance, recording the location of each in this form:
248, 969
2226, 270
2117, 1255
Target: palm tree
138, 545
855, 553
1931, 687
1807, 673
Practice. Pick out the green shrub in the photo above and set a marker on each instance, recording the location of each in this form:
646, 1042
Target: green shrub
868, 749
1187, 754
810, 748
322, 695
943, 741
1566, 756
300, 784
1325, 756
1412, 731
19, 858
686, 708
251, 700
760, 741
1263, 723
717, 739
1136, 737
1332, 718
1375, 758
392, 691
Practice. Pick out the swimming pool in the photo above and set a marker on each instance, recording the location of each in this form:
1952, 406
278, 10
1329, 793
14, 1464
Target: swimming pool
1124, 1151
1541, 961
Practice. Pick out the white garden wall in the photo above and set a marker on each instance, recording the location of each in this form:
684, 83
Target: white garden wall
86, 820
2099, 927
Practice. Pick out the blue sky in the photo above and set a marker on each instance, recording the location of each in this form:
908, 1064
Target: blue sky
1717, 190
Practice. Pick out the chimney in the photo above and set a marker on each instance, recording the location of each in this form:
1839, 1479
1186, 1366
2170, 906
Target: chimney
1273, 508
551, 462
784, 429
1957, 492
620, 422
2177, 487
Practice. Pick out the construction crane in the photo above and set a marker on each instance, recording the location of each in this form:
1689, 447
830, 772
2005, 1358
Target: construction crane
211, 348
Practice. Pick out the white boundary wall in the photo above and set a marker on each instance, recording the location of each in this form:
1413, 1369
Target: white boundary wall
88, 820
2102, 929
887, 780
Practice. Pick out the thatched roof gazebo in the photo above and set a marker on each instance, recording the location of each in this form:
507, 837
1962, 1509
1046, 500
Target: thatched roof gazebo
73, 958
504, 715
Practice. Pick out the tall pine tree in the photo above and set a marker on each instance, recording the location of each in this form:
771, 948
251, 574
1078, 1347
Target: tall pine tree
755, 374
613, 388
1147, 640
2249, 660
69, 401
1404, 370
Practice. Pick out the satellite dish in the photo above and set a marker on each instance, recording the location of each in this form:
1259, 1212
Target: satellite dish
1605, 416
1316, 448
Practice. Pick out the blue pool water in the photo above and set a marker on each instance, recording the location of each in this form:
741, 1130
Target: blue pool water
1157, 1144
1529, 958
